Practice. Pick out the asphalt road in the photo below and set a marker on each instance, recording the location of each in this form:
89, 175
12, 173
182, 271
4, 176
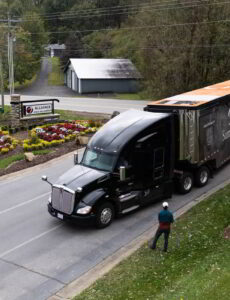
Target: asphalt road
40, 254
96, 105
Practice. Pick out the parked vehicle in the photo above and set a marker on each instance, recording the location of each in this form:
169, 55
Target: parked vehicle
139, 157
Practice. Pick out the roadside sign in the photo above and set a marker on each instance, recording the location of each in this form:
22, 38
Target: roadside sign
36, 109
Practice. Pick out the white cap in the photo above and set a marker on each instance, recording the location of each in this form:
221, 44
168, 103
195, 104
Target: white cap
165, 204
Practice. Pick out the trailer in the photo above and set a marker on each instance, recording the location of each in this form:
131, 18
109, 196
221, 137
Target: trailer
202, 130
139, 157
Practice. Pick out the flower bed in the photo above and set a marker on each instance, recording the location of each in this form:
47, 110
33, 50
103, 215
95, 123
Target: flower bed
7, 143
53, 135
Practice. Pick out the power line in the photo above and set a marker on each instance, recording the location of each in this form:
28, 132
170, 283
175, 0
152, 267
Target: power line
135, 27
112, 11
85, 13
71, 15
113, 8
140, 47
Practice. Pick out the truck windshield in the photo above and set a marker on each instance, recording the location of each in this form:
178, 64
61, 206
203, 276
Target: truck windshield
98, 160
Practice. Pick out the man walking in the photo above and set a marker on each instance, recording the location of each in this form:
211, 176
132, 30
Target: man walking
165, 218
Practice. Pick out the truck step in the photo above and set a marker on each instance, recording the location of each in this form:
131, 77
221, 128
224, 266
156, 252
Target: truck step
130, 209
127, 197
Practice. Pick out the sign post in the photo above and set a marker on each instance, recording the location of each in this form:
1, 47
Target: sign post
2, 85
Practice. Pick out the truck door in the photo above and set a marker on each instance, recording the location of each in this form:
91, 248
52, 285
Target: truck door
150, 164
158, 163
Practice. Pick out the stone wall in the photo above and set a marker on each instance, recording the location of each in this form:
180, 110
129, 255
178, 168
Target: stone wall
15, 111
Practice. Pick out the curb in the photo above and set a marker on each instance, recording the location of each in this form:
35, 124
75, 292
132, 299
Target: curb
80, 284
39, 166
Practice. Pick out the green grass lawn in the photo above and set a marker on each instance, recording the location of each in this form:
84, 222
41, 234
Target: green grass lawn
196, 267
5, 162
131, 96
6, 115
69, 115
56, 77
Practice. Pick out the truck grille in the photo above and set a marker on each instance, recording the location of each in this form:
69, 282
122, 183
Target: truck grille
63, 199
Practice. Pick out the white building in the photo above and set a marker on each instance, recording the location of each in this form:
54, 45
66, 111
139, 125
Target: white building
55, 49
101, 75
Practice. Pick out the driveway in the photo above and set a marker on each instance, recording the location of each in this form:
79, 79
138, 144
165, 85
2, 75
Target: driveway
41, 88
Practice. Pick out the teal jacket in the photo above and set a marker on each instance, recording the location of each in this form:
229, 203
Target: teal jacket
165, 218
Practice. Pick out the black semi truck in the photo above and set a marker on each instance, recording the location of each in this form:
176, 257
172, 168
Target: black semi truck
139, 157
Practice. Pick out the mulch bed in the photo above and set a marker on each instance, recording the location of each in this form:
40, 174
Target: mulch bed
39, 159
56, 151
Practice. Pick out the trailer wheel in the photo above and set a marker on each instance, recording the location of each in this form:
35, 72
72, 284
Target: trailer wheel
185, 183
104, 215
202, 176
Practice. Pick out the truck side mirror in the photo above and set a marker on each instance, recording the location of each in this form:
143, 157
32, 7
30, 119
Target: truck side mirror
122, 173
75, 158
44, 178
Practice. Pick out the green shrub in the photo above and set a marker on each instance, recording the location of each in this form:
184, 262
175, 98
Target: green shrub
54, 142
4, 150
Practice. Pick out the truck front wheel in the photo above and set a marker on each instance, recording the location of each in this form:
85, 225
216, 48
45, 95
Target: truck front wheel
104, 215
185, 183
202, 176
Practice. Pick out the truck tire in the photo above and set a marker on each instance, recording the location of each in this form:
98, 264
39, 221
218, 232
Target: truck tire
104, 215
185, 183
202, 176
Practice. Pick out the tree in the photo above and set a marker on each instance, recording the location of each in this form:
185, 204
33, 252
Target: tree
29, 36
177, 58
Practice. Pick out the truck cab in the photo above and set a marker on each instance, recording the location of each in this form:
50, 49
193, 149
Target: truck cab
127, 164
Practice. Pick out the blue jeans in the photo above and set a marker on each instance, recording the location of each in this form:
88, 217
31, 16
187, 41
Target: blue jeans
166, 237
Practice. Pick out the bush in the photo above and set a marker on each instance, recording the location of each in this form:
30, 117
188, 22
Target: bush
54, 142
67, 138
4, 150
27, 147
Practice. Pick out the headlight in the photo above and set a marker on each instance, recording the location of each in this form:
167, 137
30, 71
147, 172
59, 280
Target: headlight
84, 210
49, 199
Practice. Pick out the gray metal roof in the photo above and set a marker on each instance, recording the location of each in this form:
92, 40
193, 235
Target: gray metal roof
55, 47
103, 68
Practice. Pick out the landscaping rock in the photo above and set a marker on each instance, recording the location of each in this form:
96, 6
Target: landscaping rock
29, 156
84, 139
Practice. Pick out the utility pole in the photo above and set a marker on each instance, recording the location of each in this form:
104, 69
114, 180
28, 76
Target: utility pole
2, 82
10, 57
